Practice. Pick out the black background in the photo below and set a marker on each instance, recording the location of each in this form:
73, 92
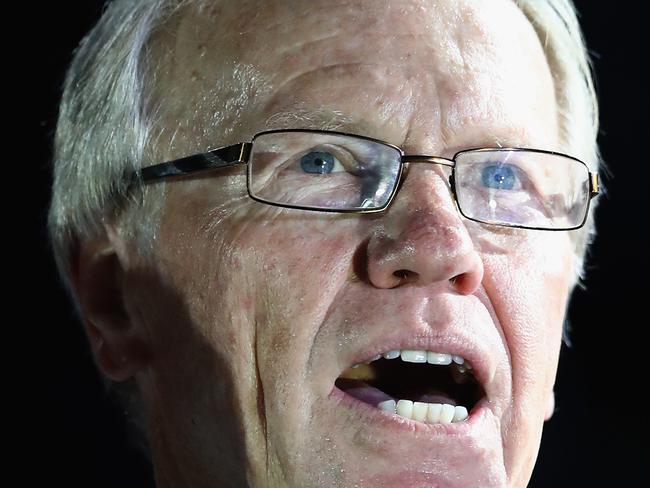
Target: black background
597, 435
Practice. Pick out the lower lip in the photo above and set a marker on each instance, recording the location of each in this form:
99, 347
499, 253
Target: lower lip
392, 421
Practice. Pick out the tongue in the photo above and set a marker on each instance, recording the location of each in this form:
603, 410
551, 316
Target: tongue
363, 391
436, 397
369, 394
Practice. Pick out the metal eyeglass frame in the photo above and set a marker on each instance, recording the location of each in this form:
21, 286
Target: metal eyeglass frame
235, 154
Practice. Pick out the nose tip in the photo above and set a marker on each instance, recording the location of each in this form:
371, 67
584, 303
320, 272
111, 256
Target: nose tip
423, 240
431, 255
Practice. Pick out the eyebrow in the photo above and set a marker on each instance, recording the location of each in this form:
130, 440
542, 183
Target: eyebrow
337, 120
319, 119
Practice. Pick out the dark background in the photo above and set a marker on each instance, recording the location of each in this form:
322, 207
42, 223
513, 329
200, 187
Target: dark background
597, 435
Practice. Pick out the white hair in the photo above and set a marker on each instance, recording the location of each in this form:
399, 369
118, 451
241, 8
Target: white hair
557, 27
103, 128
107, 121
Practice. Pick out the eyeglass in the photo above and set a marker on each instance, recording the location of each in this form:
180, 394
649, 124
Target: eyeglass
331, 171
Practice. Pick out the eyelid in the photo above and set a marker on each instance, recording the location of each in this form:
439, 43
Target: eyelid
529, 180
343, 155
527, 183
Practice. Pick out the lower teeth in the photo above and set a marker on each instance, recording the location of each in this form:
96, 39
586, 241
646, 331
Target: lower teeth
430, 413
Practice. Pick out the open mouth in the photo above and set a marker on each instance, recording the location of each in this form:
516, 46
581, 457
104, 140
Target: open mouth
424, 386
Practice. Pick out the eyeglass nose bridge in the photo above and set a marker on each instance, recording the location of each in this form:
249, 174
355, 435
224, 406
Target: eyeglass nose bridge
418, 158
421, 158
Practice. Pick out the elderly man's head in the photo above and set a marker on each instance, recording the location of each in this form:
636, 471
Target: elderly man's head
245, 327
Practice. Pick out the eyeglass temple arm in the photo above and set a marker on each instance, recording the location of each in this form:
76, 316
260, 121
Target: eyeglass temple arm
594, 187
223, 157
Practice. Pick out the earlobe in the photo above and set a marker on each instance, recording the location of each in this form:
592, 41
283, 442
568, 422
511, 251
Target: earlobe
550, 406
119, 359
98, 280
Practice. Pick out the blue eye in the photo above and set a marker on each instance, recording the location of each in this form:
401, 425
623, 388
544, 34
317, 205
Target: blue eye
499, 177
317, 162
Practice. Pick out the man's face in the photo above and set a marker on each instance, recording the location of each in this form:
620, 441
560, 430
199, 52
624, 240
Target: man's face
253, 312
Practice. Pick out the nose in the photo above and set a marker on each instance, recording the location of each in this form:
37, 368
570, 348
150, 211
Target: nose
421, 238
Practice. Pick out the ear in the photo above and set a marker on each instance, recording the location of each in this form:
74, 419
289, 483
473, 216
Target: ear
550, 406
98, 279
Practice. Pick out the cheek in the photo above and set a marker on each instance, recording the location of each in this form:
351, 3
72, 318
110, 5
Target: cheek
526, 283
200, 302
295, 266
527, 276
539, 273
292, 267
528, 288
256, 278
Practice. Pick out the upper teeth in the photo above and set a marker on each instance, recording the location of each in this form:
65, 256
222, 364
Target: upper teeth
422, 356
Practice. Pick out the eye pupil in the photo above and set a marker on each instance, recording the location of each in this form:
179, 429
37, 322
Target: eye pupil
500, 177
317, 162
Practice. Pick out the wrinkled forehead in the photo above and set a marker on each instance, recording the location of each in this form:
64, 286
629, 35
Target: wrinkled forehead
237, 65
358, 31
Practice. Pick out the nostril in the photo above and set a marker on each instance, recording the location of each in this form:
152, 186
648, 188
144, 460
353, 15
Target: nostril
405, 276
466, 283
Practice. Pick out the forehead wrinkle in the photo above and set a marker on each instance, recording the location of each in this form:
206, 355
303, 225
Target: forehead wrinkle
297, 114
465, 108
273, 14
338, 120
303, 98
301, 117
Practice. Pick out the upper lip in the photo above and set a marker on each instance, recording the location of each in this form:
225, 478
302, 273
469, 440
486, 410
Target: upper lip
455, 343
